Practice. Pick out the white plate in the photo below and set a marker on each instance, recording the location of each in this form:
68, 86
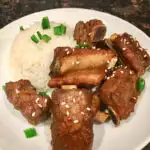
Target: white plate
133, 133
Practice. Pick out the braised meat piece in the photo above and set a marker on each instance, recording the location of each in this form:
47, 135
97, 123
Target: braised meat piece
79, 78
80, 66
119, 93
23, 96
89, 32
69, 59
130, 51
72, 125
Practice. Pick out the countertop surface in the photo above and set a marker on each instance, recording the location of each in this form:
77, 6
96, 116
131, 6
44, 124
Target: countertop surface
136, 12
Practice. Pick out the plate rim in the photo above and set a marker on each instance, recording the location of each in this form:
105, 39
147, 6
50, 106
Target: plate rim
147, 140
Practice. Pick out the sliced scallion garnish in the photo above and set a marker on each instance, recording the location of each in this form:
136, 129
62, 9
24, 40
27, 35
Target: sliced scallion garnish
43, 94
39, 35
4, 87
46, 38
81, 46
30, 132
45, 23
60, 30
21, 28
140, 84
34, 39
63, 29
57, 30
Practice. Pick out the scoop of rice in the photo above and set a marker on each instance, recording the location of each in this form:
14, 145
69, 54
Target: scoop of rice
31, 61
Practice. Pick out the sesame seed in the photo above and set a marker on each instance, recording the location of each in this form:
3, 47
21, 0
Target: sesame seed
82, 113
93, 89
128, 42
125, 67
145, 56
74, 100
63, 103
66, 49
73, 63
84, 43
37, 100
137, 44
67, 113
89, 34
134, 98
67, 106
98, 48
77, 62
73, 49
17, 91
109, 67
141, 49
124, 49
39, 105
45, 100
67, 52
108, 78
112, 75
33, 114
124, 41
80, 92
93, 47
76, 121
105, 70
122, 71
131, 72
108, 61
121, 40
88, 108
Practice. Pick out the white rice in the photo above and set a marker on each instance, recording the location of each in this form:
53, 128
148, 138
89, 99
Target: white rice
31, 61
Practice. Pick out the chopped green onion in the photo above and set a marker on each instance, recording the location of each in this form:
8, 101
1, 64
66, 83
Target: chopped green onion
39, 35
45, 23
21, 28
81, 46
140, 84
34, 39
43, 93
46, 38
63, 29
4, 87
31, 132
60, 30
57, 30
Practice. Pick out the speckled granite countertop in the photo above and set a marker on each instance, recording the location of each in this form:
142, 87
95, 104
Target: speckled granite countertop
136, 12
